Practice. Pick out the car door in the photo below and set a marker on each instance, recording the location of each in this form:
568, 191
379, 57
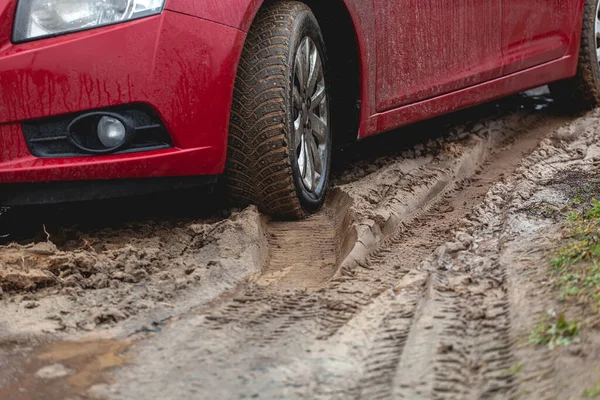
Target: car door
535, 31
426, 48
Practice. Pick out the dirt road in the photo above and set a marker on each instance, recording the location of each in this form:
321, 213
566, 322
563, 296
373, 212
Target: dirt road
410, 284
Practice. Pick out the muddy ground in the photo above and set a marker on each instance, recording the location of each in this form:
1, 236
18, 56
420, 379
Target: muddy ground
423, 277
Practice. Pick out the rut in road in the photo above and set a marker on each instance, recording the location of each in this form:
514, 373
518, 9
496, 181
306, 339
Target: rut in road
303, 253
389, 327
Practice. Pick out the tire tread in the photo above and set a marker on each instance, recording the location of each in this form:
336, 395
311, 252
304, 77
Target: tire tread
259, 169
582, 92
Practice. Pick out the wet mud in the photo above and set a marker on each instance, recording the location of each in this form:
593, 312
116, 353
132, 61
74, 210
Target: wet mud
397, 289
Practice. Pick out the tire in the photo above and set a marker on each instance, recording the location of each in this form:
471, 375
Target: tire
274, 140
582, 92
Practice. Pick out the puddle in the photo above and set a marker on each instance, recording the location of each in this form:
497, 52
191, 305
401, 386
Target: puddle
65, 370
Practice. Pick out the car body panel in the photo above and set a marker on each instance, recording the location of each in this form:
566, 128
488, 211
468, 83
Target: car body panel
486, 91
486, 26
234, 13
429, 48
7, 12
241, 13
189, 85
535, 74
184, 62
536, 31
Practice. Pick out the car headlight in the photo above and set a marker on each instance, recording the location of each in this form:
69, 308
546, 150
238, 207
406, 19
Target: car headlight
36, 19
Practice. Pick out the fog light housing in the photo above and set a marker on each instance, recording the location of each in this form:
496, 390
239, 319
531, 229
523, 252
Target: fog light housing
76, 135
112, 133
101, 132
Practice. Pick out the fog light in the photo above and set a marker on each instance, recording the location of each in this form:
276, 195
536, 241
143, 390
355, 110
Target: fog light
111, 132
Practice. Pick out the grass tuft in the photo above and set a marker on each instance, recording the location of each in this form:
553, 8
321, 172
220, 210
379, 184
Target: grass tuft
577, 263
592, 393
554, 330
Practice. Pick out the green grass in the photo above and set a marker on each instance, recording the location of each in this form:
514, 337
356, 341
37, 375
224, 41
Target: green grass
576, 273
577, 200
592, 393
577, 262
554, 331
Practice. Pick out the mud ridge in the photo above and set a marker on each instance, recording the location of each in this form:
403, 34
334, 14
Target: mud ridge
408, 194
130, 279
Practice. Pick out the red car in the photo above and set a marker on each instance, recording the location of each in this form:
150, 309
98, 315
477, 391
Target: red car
108, 97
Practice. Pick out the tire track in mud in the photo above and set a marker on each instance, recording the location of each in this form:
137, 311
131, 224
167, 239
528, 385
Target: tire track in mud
475, 351
377, 327
467, 314
424, 362
303, 253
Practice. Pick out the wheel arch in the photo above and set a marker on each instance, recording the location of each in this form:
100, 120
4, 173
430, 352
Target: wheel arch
340, 23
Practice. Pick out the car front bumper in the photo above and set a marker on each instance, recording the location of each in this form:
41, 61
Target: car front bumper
183, 67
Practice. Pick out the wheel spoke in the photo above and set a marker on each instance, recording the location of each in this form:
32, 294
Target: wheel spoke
597, 28
302, 159
298, 130
315, 70
309, 175
319, 128
306, 57
297, 98
301, 67
317, 98
316, 156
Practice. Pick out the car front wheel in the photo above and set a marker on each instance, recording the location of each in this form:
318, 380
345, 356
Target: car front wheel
280, 139
582, 92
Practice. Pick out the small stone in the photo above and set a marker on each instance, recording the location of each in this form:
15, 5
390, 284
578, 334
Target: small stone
576, 350
31, 305
109, 316
165, 276
99, 281
43, 249
445, 348
140, 275
455, 247
98, 391
73, 281
122, 276
54, 371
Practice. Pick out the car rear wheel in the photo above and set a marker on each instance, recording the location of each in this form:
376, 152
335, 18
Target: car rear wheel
280, 133
582, 92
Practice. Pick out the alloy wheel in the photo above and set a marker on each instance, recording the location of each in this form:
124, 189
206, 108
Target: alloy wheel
597, 31
311, 119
